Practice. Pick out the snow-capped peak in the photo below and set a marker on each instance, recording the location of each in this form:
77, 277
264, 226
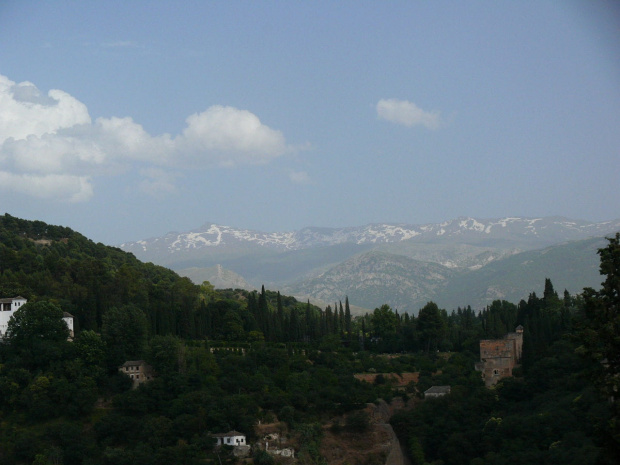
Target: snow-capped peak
549, 229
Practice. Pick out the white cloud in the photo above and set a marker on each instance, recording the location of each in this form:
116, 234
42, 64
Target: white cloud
25, 112
407, 113
46, 139
299, 177
230, 137
51, 186
158, 182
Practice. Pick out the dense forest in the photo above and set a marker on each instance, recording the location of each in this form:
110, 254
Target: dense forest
228, 359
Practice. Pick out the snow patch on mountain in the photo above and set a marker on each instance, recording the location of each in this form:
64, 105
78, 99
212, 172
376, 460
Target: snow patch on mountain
551, 229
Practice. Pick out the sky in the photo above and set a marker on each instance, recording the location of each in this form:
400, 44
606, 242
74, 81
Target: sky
128, 120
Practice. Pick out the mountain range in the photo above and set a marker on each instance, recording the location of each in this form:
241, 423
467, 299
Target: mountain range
466, 261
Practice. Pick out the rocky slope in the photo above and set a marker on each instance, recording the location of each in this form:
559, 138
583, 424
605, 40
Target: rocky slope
458, 262
376, 278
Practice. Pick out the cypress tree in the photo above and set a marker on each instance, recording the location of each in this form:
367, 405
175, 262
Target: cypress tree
309, 324
363, 336
253, 305
263, 314
293, 335
323, 323
329, 320
549, 292
336, 324
347, 316
279, 323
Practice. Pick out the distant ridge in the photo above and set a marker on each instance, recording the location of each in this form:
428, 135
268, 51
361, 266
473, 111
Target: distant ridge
542, 231
457, 262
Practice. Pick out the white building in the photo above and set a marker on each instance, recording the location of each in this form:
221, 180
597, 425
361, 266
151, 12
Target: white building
232, 438
7, 308
68, 319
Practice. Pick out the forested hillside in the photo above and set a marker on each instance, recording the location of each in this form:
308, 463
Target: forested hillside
90, 281
40, 261
229, 359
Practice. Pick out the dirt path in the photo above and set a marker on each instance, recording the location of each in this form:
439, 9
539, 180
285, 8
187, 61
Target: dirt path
382, 414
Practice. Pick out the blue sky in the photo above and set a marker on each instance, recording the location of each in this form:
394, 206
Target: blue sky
127, 120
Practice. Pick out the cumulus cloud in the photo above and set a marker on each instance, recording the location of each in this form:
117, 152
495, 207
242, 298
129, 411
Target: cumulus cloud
407, 113
231, 137
50, 139
24, 111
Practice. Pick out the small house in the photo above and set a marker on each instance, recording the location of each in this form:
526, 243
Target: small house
138, 370
232, 438
436, 391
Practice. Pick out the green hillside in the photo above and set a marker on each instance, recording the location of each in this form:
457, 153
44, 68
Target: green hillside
45, 262
570, 266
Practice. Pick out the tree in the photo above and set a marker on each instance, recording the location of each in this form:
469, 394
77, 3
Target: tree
263, 314
294, 326
90, 347
37, 333
37, 321
207, 292
232, 327
163, 354
384, 321
279, 322
124, 331
262, 457
430, 324
599, 334
91, 350
347, 317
